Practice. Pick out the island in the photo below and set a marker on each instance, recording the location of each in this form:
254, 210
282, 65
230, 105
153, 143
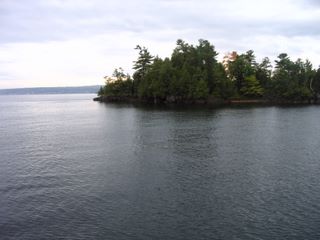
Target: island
193, 75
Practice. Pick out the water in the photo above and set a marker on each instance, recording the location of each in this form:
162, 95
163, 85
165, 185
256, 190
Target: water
71, 168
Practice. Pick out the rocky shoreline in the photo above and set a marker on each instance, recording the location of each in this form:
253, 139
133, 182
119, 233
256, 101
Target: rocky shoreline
211, 101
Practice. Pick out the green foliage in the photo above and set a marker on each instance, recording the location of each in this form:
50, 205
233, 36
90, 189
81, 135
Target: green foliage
120, 84
251, 87
143, 62
119, 88
207, 61
201, 91
119, 74
315, 84
155, 83
101, 91
193, 72
224, 86
291, 80
263, 73
243, 66
141, 67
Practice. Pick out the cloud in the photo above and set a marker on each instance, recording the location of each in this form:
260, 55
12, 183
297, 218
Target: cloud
60, 20
312, 2
74, 42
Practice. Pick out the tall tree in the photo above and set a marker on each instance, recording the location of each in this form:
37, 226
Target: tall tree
282, 76
224, 85
263, 73
315, 85
207, 61
291, 80
141, 66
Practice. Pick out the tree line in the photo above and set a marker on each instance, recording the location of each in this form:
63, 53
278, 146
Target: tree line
193, 72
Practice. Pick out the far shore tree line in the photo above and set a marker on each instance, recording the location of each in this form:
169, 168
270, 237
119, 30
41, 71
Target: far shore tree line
193, 73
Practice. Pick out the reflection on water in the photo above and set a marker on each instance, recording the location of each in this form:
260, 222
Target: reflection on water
71, 168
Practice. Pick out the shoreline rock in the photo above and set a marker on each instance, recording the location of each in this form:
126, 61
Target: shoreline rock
210, 101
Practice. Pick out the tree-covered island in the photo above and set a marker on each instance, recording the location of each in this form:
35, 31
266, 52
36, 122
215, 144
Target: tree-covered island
193, 75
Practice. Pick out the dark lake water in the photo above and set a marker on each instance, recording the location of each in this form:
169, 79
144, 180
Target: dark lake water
71, 168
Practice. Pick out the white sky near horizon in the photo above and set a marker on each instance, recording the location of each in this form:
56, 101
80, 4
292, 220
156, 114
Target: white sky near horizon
77, 42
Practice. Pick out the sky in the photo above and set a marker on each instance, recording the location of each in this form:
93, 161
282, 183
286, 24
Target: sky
78, 42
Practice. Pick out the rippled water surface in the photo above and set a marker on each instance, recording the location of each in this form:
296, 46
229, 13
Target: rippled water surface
71, 168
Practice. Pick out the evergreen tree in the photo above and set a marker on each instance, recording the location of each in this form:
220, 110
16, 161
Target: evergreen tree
315, 85
141, 66
251, 87
193, 73
242, 67
263, 73
207, 61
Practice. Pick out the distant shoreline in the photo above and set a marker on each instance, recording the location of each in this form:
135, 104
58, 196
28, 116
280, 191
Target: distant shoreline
51, 90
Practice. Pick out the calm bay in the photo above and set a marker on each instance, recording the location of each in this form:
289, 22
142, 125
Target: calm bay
71, 168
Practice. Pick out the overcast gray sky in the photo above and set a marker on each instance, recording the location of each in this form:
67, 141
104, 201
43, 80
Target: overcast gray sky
77, 42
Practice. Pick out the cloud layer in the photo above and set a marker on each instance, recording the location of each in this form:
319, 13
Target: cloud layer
76, 42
